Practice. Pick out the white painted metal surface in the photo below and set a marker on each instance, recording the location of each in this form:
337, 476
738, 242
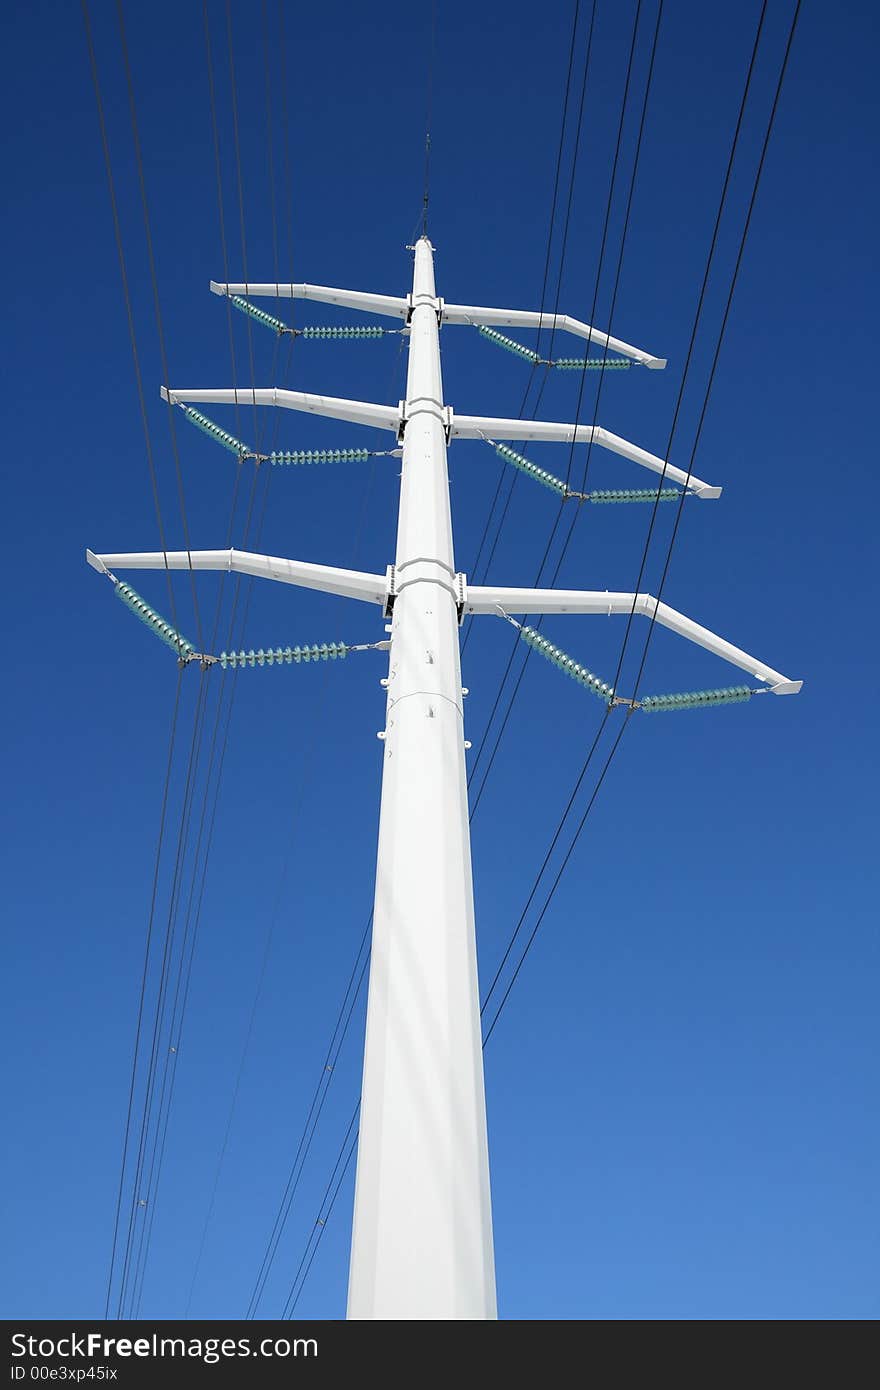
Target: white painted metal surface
384, 417
370, 588
482, 599
563, 323
422, 1239
488, 427
388, 304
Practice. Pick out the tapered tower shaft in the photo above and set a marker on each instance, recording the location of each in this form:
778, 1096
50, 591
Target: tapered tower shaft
422, 1239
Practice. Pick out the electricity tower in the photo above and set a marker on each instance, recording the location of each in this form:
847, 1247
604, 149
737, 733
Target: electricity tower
422, 1236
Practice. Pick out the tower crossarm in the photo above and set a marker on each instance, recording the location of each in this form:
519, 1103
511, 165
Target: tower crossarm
560, 323
482, 599
486, 427
369, 588
391, 306
383, 417
394, 417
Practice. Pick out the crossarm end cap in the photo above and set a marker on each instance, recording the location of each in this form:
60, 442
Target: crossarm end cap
96, 562
708, 494
786, 688
656, 364
217, 288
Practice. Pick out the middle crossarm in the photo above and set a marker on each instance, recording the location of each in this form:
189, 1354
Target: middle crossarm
390, 417
487, 427
370, 588
480, 599
392, 306
559, 323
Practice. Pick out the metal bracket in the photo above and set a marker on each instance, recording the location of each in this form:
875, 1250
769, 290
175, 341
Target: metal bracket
390, 591
460, 582
444, 414
436, 304
459, 587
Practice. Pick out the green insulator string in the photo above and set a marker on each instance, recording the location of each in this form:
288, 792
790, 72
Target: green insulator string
565, 364
280, 656
345, 331
696, 699
213, 431
580, 364
319, 456
509, 344
664, 494
572, 668
539, 475
153, 620
561, 488
651, 704
260, 315
320, 331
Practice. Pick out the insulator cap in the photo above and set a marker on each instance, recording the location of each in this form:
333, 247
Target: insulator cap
260, 315
343, 331
572, 668
525, 465
300, 456
154, 621
509, 344
582, 364
696, 699
214, 431
280, 656
665, 494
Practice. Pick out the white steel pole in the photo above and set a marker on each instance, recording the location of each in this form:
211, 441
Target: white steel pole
422, 1237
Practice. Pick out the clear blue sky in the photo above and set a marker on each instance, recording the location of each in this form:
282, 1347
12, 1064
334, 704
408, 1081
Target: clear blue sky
681, 1118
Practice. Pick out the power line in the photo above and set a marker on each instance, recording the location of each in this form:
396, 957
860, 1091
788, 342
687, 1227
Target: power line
187, 949
623, 235
724, 318
325, 1077
614, 747
559, 512
429, 118
285, 129
269, 148
176, 704
610, 756
200, 705
158, 1015
543, 300
142, 1194
697, 316
157, 307
320, 1225
143, 988
241, 218
716, 356
189, 792
343, 1018
546, 372
502, 473
292, 1300
556, 307
129, 312
673, 428
185, 963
